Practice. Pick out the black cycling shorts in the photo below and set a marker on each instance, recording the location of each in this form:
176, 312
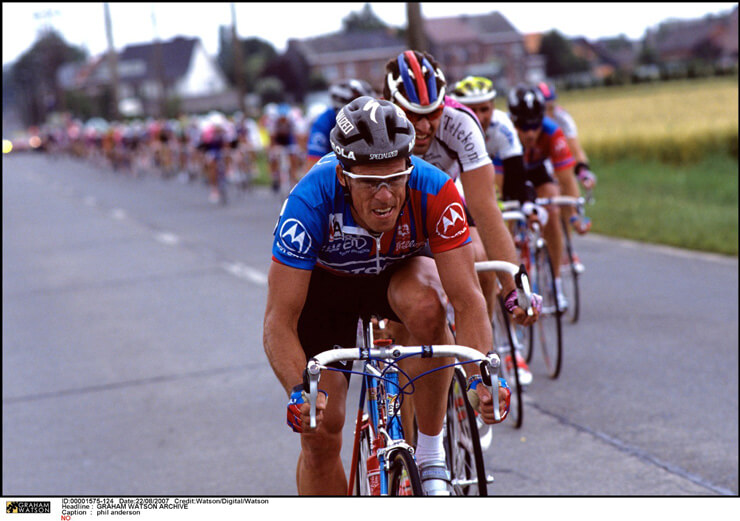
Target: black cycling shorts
335, 302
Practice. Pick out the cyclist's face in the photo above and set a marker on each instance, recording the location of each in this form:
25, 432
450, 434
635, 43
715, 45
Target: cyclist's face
528, 135
484, 111
376, 206
425, 126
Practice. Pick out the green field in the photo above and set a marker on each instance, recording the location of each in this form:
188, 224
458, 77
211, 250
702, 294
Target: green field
691, 206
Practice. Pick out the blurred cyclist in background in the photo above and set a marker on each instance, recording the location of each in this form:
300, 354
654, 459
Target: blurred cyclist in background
318, 138
284, 152
568, 126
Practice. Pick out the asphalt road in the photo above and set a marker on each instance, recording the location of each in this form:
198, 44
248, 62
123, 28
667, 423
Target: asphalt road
133, 361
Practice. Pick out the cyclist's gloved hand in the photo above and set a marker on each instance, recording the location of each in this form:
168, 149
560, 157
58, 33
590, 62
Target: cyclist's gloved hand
298, 406
585, 176
511, 303
580, 223
480, 399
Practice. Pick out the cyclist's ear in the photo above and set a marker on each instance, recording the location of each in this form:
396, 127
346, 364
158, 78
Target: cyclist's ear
340, 176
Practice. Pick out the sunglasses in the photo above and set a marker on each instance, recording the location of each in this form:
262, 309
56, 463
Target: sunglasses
525, 127
372, 183
413, 117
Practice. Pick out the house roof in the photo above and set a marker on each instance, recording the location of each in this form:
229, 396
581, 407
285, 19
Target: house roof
470, 28
176, 57
362, 42
685, 36
449, 30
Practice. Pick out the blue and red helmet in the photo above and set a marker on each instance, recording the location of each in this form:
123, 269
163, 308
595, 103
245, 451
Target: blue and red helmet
415, 82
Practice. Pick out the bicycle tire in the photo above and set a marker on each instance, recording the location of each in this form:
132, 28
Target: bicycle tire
462, 442
403, 474
509, 370
549, 320
362, 483
570, 280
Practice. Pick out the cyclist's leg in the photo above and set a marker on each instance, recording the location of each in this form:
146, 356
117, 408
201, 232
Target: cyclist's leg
413, 293
320, 470
553, 232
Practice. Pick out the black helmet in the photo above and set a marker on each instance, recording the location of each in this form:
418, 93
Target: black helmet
345, 91
526, 106
369, 130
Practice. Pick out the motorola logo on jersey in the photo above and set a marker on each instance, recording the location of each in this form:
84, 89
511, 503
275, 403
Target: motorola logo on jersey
295, 237
452, 223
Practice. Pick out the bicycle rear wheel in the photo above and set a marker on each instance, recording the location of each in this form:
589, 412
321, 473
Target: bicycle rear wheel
506, 348
547, 331
462, 442
403, 475
569, 276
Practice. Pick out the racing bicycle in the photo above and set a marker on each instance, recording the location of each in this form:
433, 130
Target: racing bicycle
382, 461
547, 331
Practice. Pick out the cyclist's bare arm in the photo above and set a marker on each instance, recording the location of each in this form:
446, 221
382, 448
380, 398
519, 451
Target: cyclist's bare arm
480, 196
286, 294
457, 273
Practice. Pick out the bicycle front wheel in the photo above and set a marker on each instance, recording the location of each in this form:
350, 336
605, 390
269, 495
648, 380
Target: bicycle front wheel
547, 330
403, 475
462, 442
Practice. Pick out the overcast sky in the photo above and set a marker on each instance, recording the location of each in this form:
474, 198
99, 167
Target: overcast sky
82, 24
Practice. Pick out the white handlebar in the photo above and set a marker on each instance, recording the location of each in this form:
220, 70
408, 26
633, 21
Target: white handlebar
489, 364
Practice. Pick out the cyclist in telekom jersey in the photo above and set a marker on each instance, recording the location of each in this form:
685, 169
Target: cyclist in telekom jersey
348, 244
545, 144
340, 93
449, 136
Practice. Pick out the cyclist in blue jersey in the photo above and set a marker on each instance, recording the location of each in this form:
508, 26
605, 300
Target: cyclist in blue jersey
348, 243
340, 93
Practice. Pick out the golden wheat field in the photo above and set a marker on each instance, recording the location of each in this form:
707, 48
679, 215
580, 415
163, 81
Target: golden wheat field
677, 122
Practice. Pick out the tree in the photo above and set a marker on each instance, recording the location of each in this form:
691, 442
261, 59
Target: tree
364, 20
256, 54
33, 75
559, 54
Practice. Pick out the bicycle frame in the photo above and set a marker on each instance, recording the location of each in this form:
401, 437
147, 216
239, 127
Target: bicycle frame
382, 394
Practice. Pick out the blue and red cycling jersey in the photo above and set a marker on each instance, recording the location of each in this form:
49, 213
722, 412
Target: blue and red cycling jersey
551, 144
316, 226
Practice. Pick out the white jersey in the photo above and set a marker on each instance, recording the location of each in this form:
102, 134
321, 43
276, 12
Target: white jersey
502, 140
458, 145
566, 122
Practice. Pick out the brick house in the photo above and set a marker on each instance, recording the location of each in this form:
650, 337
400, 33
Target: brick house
485, 45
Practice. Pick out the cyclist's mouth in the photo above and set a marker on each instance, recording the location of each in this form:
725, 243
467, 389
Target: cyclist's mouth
382, 212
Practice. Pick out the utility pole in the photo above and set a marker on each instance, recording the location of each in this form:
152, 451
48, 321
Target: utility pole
238, 62
112, 63
416, 37
159, 69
